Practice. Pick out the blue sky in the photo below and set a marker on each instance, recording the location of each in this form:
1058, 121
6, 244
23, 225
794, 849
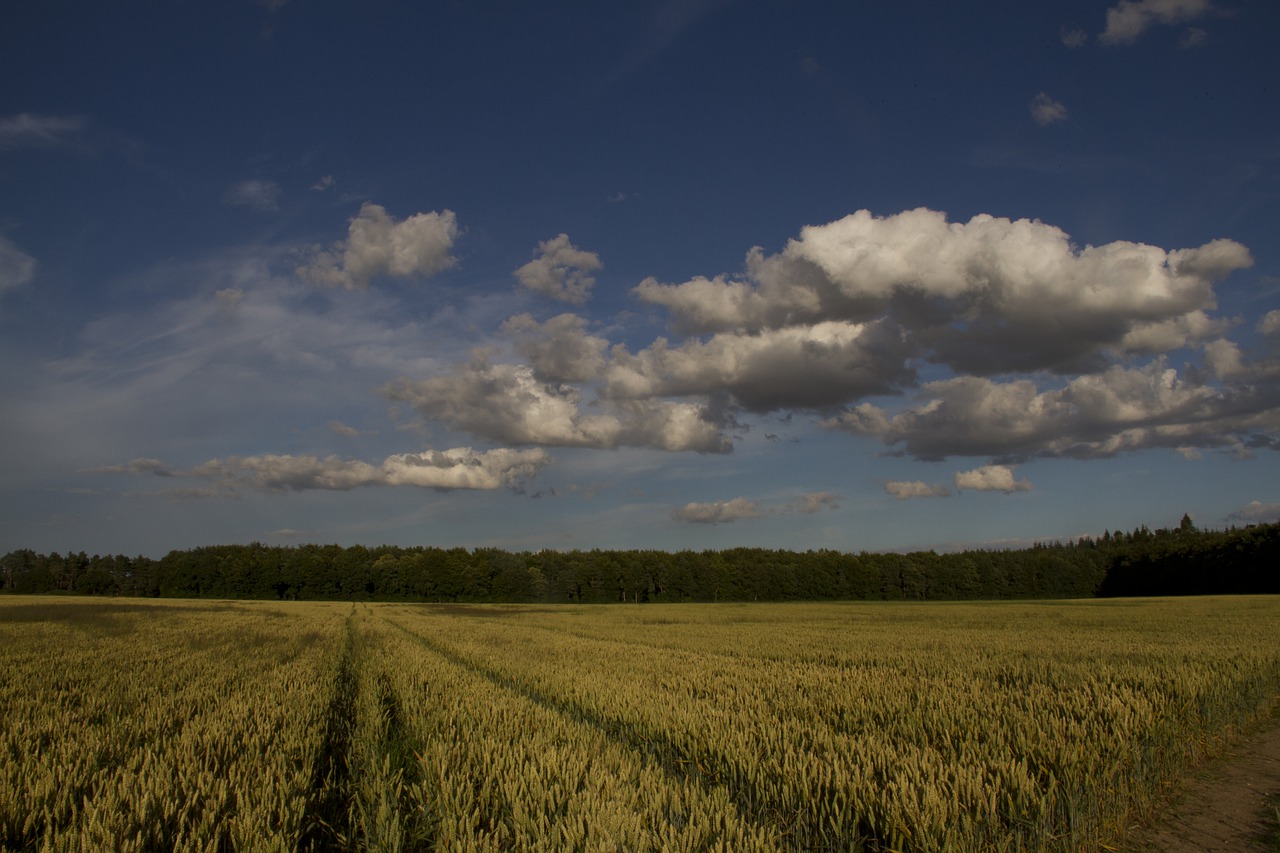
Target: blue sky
636, 275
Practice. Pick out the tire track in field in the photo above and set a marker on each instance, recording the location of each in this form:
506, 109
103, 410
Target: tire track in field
401, 774
708, 769
327, 820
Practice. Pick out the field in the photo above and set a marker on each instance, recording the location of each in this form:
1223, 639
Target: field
158, 725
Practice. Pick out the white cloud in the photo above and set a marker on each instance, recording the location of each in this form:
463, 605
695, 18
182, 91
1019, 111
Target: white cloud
991, 478
821, 365
1171, 334
989, 295
1131, 18
916, 489
260, 195
1192, 37
455, 468
1224, 358
339, 428
850, 310
283, 472
508, 404
25, 130
813, 502
1046, 111
1048, 339
560, 270
1270, 323
717, 512
559, 350
135, 466
463, 468
862, 419
325, 183
17, 268
1094, 415
1258, 511
1074, 38
377, 244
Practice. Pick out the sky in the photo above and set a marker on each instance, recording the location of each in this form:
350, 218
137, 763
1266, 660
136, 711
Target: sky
703, 274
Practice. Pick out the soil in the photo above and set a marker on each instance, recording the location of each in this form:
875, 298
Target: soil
1227, 805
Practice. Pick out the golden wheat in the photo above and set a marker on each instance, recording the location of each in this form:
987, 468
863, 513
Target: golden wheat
927, 727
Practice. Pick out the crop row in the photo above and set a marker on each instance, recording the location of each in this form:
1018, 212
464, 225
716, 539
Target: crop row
149, 726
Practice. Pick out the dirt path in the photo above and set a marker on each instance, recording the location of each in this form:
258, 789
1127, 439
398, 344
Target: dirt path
1225, 806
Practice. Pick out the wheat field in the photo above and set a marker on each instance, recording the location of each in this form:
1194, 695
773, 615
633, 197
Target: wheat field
141, 725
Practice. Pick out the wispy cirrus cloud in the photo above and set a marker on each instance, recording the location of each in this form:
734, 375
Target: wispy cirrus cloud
17, 268
26, 130
257, 194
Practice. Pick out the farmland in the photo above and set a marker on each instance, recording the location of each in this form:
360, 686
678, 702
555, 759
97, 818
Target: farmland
149, 725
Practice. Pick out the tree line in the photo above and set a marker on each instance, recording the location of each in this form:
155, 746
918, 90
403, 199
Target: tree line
1169, 561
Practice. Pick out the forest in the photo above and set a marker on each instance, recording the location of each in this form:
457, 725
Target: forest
1180, 560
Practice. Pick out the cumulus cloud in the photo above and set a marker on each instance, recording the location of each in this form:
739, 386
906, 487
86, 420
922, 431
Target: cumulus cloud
862, 419
455, 468
985, 296
135, 466
1224, 359
463, 468
1270, 323
507, 403
1044, 341
1074, 38
991, 478
560, 270
717, 512
339, 428
559, 350
25, 130
1046, 111
17, 268
260, 195
1131, 18
377, 244
821, 365
1092, 416
1258, 511
916, 489
325, 183
813, 502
